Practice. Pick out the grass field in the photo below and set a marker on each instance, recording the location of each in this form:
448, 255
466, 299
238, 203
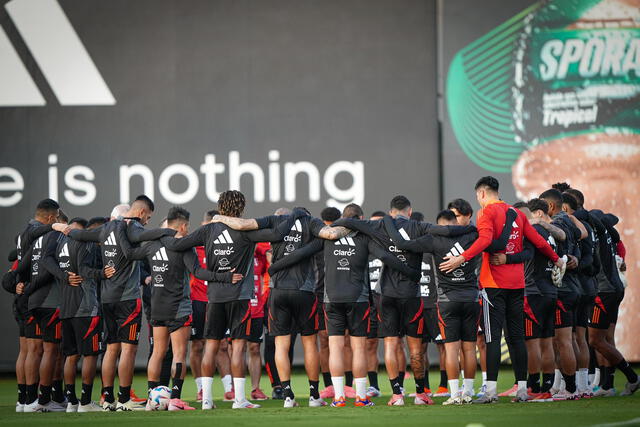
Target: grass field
580, 413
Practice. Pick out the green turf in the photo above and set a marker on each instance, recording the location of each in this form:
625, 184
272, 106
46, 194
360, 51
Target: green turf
580, 413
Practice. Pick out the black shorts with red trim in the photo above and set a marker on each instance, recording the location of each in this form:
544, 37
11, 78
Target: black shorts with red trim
431, 327
122, 321
583, 310
293, 311
173, 324
605, 309
353, 317
232, 316
565, 308
374, 316
257, 329
458, 321
401, 316
44, 324
322, 324
539, 320
82, 336
198, 317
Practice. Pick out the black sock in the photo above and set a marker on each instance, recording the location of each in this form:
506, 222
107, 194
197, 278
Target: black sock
419, 385
533, 382
609, 380
45, 394
395, 385
326, 377
628, 371
85, 397
603, 370
348, 378
151, 385
22, 394
426, 377
57, 391
176, 390
443, 378
109, 397
401, 378
124, 394
32, 393
70, 393
547, 382
373, 379
286, 389
570, 381
313, 389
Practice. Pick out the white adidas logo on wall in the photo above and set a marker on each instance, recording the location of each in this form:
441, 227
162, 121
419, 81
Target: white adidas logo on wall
161, 255
297, 226
111, 240
64, 252
223, 238
346, 241
456, 250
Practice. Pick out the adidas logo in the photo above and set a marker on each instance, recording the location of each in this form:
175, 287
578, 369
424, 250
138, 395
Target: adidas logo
111, 240
38, 243
439, 337
223, 238
64, 252
18, 243
297, 226
456, 250
404, 234
514, 225
161, 255
346, 241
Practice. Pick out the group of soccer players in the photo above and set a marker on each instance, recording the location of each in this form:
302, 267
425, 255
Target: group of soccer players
546, 272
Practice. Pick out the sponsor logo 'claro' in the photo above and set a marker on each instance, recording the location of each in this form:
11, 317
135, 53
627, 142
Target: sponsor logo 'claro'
160, 268
111, 254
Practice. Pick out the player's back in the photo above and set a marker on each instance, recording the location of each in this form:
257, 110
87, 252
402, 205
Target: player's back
125, 283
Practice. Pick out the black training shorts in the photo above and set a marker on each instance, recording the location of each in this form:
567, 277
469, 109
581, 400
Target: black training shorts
353, 317
400, 316
82, 336
458, 321
293, 311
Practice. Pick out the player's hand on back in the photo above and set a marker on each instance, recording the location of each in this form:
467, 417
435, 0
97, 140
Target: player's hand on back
74, 279
109, 271
20, 288
498, 259
451, 263
236, 277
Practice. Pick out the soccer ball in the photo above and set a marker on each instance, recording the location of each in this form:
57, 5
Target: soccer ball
159, 398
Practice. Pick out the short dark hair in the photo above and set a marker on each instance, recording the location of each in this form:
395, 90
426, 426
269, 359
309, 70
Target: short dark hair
231, 203
561, 186
47, 206
378, 213
177, 214
83, 222
208, 215
446, 215
400, 203
570, 200
520, 204
62, 217
330, 214
147, 201
577, 194
462, 206
352, 211
99, 220
488, 182
538, 205
553, 195
417, 216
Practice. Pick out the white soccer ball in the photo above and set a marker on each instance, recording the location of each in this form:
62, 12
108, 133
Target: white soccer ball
159, 398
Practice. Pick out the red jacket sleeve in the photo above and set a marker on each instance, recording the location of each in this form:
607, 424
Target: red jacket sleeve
621, 250
485, 234
534, 237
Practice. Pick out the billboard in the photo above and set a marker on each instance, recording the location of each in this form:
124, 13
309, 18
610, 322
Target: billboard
292, 102
550, 94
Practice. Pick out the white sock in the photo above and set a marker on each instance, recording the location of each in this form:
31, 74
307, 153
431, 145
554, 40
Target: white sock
238, 389
596, 378
590, 378
492, 387
199, 383
484, 378
467, 387
522, 385
557, 379
454, 387
338, 387
227, 383
361, 387
583, 379
207, 388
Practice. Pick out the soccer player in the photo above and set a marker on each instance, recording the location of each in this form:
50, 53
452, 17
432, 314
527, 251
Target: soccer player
79, 313
260, 266
604, 314
120, 297
228, 309
503, 284
568, 294
375, 268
